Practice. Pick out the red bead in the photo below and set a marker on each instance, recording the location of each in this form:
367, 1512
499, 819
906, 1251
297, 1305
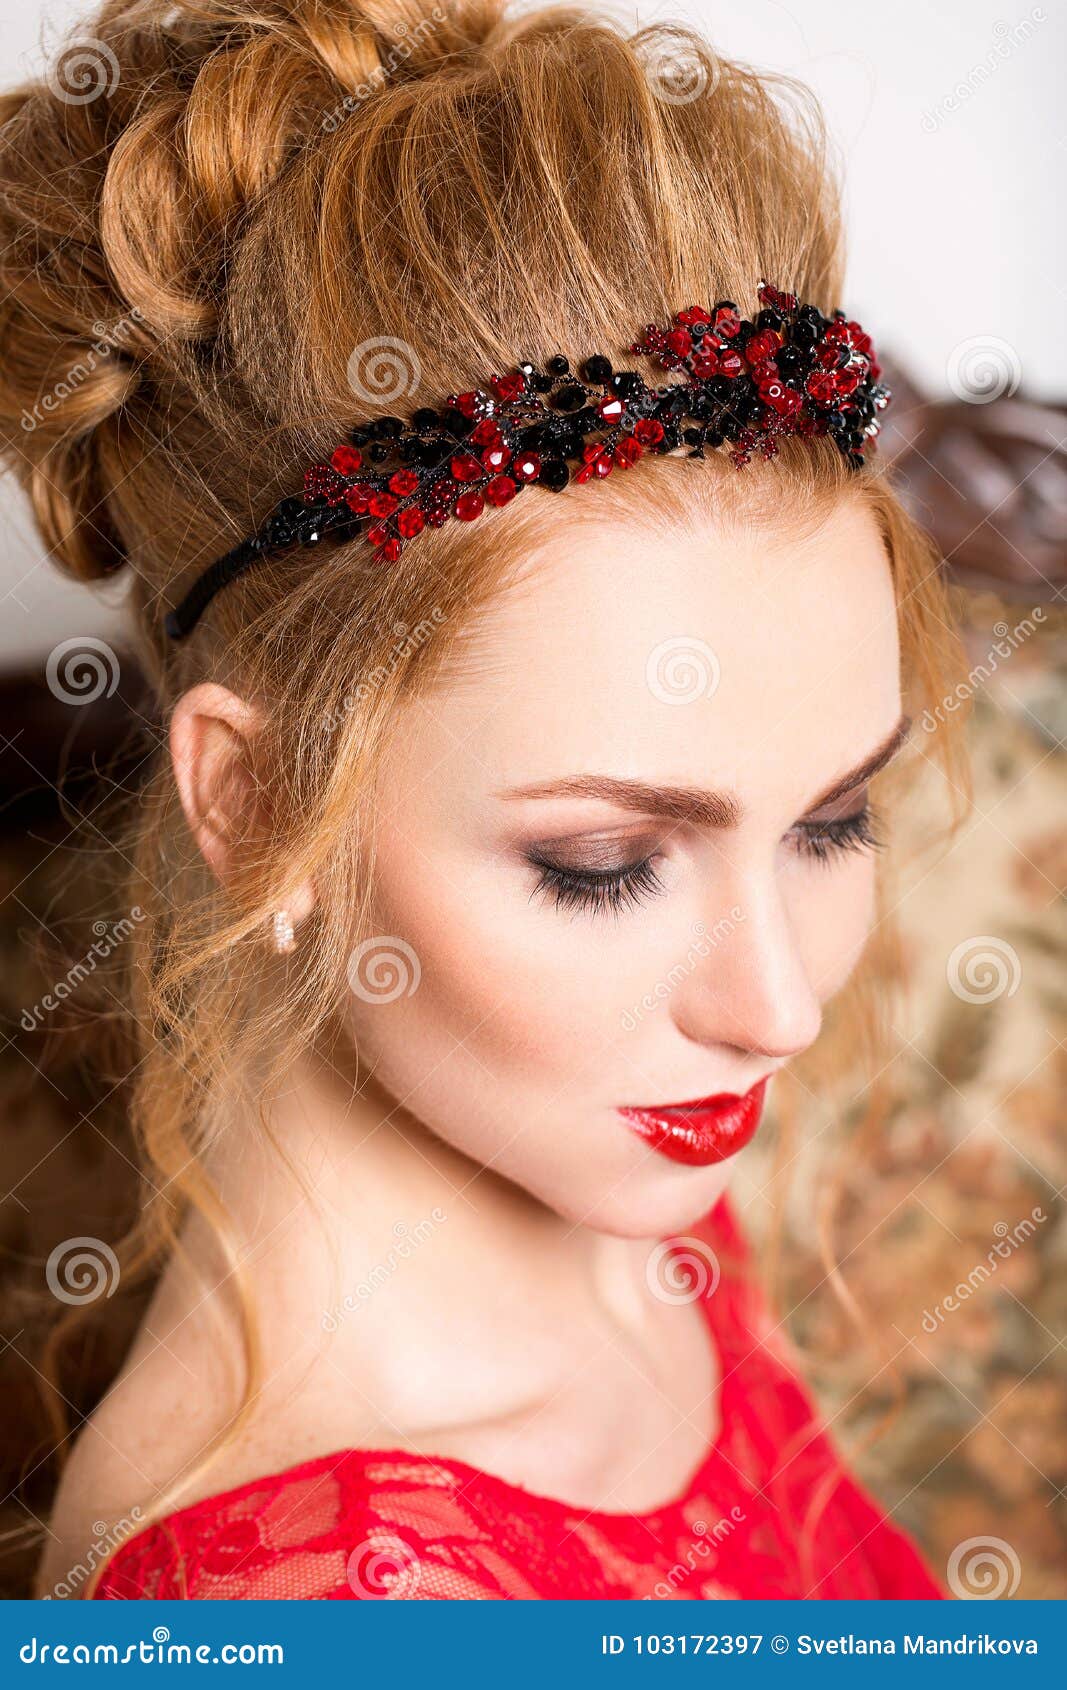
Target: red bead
378, 534
437, 517
465, 467
692, 315
487, 433
411, 522
780, 398
820, 384
627, 452
346, 460
469, 505
730, 365
403, 482
509, 387
382, 504
442, 491
496, 458
680, 342
527, 466
762, 346
321, 481
705, 364
500, 490
597, 463
358, 498
391, 550
471, 404
649, 431
611, 410
726, 322
781, 301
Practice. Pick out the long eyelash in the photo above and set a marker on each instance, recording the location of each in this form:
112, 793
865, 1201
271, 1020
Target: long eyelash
588, 890
850, 833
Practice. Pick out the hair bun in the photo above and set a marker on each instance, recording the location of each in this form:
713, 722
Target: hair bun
124, 175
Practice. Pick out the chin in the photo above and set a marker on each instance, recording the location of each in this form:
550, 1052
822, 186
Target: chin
656, 1200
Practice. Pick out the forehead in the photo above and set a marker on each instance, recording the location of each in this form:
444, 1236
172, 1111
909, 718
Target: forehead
680, 651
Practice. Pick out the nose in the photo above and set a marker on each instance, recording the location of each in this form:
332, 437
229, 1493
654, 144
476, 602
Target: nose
750, 988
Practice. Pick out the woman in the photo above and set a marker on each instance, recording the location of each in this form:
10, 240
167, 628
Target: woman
498, 861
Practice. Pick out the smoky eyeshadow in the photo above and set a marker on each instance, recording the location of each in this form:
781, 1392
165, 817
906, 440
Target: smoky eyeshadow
593, 855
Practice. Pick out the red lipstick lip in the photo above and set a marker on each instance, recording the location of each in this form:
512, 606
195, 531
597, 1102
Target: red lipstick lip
704, 1131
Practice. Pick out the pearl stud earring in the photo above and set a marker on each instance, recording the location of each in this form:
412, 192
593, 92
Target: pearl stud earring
284, 936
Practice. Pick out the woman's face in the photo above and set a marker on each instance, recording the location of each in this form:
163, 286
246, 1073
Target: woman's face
607, 859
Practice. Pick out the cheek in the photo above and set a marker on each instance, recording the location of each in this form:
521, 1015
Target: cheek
833, 912
506, 987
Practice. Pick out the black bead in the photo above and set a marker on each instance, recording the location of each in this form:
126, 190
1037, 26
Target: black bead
387, 428
693, 436
557, 365
541, 383
378, 451
597, 368
721, 387
769, 318
554, 475
803, 334
350, 529
569, 398
790, 362
626, 383
855, 460
359, 436
587, 419
425, 418
279, 530
535, 437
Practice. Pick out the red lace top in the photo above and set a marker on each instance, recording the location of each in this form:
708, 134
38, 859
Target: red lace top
770, 1512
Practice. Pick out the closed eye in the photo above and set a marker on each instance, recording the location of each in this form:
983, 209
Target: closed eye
598, 890
823, 839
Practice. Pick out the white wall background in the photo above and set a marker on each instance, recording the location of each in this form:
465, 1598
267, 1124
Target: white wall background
949, 116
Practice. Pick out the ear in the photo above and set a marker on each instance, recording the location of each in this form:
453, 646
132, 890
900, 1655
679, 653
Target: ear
212, 747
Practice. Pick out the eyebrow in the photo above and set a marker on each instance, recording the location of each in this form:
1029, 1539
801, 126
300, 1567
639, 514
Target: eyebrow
694, 804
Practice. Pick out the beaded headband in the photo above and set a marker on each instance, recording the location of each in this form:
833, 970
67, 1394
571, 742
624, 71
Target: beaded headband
792, 371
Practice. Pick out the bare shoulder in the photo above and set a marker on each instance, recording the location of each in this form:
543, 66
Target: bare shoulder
143, 1434
151, 1428
168, 1433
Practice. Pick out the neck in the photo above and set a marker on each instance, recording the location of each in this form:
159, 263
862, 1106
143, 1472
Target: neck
360, 1224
